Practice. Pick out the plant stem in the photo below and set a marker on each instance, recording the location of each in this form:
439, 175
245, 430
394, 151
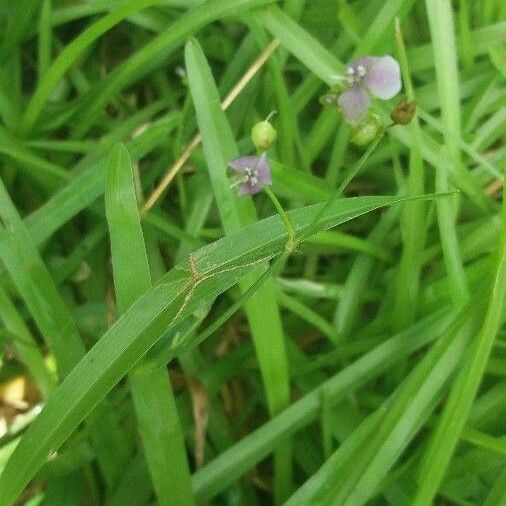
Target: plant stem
351, 174
290, 244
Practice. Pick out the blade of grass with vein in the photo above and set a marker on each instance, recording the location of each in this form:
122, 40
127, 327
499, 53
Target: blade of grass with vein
456, 412
300, 43
175, 297
261, 309
20, 256
449, 242
45, 42
413, 216
445, 60
150, 386
194, 362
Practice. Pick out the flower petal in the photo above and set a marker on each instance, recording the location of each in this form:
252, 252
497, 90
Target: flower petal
247, 189
243, 162
354, 104
383, 78
264, 170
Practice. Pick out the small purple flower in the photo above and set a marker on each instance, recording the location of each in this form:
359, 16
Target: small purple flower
254, 173
376, 75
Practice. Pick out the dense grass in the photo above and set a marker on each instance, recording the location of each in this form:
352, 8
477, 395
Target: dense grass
336, 339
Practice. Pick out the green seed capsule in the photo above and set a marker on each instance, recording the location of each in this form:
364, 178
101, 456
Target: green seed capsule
263, 135
367, 131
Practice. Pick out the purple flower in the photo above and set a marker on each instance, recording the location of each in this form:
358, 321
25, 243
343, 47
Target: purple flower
254, 173
378, 76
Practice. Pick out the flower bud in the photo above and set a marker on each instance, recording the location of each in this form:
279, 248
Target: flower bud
404, 112
330, 99
367, 130
263, 135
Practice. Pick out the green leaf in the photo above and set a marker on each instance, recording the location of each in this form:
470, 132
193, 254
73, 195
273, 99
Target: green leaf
152, 394
443, 42
318, 59
413, 217
261, 309
129, 259
37, 288
442, 31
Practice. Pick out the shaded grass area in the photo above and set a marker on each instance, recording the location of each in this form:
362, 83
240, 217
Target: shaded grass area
168, 342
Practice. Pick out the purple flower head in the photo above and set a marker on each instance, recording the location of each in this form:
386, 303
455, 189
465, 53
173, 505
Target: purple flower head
254, 173
370, 75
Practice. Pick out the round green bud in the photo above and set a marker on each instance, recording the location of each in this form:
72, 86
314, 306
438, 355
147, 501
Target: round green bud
367, 130
263, 135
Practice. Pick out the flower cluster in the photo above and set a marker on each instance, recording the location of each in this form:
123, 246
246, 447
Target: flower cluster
366, 77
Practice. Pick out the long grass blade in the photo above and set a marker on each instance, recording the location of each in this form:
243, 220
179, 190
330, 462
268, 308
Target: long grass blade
261, 309
151, 390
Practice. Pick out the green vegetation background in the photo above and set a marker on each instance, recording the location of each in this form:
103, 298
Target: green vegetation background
151, 355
